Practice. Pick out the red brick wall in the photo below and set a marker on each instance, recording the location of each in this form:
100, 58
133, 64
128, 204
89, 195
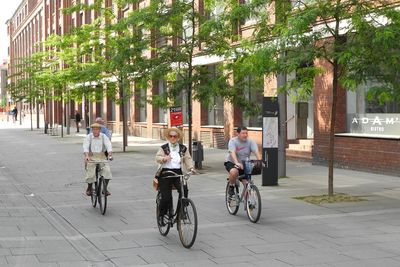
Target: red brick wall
322, 111
366, 154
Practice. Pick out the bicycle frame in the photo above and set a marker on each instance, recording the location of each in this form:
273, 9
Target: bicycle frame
183, 178
245, 188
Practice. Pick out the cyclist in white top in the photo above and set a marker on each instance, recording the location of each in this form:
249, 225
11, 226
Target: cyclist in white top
94, 147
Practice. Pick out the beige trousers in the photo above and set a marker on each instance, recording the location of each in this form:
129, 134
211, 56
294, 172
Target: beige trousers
91, 168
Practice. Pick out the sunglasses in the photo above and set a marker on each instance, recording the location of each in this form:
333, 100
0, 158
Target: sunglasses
173, 136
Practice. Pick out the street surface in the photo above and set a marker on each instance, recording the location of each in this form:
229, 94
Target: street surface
46, 220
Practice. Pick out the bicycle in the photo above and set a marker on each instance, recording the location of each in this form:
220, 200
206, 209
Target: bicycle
99, 193
250, 195
185, 215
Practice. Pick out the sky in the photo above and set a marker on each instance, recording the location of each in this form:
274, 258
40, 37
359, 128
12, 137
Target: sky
7, 9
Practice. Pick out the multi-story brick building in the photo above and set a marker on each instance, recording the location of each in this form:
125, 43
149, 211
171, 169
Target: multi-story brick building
4, 96
307, 122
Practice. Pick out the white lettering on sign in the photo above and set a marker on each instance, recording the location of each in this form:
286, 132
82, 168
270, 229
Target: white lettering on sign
375, 123
377, 129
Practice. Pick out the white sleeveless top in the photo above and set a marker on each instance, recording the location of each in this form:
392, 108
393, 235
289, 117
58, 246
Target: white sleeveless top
175, 162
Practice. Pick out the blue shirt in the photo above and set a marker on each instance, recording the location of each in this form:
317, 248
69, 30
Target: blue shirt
104, 130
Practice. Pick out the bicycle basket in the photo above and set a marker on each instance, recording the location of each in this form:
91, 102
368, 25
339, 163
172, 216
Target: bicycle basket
257, 166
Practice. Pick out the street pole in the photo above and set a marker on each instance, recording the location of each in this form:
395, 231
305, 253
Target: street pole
281, 80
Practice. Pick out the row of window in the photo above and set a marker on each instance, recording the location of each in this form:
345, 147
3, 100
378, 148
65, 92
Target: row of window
215, 112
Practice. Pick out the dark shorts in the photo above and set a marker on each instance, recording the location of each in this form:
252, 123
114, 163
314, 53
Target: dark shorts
229, 165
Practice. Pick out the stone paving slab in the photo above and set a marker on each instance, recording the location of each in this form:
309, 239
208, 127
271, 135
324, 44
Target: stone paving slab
48, 221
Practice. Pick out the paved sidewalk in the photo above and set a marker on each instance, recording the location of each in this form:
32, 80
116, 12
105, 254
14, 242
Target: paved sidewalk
46, 220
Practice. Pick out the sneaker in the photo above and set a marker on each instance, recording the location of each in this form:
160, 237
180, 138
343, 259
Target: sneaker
233, 201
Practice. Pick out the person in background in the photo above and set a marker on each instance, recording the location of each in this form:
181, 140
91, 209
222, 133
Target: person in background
78, 119
15, 114
104, 128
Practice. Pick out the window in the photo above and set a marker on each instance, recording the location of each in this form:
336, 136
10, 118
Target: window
162, 112
216, 112
371, 117
182, 102
253, 89
143, 105
216, 108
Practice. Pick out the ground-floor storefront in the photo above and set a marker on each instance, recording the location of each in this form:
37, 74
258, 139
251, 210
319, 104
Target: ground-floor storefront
367, 134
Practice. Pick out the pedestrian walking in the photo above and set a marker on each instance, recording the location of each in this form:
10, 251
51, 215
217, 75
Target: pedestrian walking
15, 114
78, 119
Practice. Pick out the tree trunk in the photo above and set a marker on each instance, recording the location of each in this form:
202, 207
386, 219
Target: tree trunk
37, 115
190, 76
62, 115
30, 111
189, 102
332, 127
123, 115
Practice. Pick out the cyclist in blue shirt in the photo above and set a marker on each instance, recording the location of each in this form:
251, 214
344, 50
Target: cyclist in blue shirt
104, 129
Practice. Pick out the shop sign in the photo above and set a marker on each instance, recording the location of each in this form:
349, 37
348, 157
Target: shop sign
374, 123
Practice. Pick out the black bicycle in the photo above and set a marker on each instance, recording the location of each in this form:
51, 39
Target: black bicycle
249, 194
99, 192
185, 215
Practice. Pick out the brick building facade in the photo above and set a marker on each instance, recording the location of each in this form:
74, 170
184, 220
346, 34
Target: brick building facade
307, 122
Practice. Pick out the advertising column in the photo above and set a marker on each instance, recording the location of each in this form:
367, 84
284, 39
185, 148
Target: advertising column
270, 141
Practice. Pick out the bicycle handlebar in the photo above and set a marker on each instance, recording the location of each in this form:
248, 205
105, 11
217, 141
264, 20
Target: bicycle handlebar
99, 161
185, 176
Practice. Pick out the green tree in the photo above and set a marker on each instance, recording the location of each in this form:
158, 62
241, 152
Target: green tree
337, 33
181, 32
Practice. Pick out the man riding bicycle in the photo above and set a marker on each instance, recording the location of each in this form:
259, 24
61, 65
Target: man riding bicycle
94, 147
239, 149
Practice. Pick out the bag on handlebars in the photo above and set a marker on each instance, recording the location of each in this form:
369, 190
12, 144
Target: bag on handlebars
253, 167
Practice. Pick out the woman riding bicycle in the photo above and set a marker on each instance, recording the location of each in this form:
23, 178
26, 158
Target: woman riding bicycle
171, 156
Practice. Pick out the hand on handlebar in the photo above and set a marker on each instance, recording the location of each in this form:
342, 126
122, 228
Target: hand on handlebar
239, 166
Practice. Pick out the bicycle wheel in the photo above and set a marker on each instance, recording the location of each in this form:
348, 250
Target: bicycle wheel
187, 223
253, 203
163, 229
232, 203
102, 195
93, 196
